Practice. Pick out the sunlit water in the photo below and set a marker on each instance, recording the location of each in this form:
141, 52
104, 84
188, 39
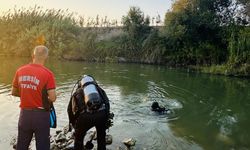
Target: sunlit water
210, 112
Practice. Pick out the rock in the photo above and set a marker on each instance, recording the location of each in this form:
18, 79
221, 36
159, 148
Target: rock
60, 137
53, 146
69, 136
14, 146
58, 131
64, 140
52, 139
66, 129
61, 140
108, 139
70, 147
13, 142
62, 145
92, 134
120, 148
70, 142
129, 142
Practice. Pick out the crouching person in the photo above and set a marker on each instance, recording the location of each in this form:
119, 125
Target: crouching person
89, 107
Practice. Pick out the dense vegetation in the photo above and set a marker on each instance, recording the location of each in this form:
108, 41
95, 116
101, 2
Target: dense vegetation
210, 35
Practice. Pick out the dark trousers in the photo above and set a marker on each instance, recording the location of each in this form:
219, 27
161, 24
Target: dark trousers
33, 122
87, 121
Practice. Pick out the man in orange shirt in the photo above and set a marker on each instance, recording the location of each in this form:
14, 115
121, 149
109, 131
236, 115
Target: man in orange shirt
35, 85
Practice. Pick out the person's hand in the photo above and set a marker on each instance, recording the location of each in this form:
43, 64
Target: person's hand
109, 122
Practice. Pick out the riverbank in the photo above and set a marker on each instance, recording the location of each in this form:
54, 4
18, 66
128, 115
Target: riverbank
242, 70
226, 70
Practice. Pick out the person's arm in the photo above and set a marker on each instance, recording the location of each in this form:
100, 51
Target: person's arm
52, 95
14, 89
51, 88
106, 100
15, 92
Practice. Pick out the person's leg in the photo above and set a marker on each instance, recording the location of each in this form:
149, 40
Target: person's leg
83, 124
79, 136
25, 131
101, 130
42, 130
101, 134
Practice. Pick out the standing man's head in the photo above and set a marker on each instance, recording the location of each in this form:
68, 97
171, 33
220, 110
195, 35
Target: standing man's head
40, 54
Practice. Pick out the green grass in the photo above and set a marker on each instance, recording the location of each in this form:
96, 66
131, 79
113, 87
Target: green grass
225, 69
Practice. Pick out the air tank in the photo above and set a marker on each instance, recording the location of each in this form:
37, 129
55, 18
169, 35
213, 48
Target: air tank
91, 96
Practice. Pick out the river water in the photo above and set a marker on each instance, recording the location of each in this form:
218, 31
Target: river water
209, 112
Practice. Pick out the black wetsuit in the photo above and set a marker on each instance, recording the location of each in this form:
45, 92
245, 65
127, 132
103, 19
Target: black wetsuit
85, 122
155, 107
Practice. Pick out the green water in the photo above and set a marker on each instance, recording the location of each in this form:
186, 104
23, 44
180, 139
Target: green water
210, 112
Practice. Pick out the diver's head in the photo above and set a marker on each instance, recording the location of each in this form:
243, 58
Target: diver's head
155, 105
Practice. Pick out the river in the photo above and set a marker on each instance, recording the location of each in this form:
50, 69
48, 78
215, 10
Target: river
210, 112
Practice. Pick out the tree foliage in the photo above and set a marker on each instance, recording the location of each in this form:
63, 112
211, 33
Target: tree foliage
195, 32
136, 25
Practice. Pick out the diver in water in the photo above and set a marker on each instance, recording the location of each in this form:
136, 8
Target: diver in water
155, 107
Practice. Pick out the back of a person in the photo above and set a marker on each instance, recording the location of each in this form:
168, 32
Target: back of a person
89, 107
32, 79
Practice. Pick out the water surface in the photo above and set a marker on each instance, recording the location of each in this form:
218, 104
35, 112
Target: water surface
211, 112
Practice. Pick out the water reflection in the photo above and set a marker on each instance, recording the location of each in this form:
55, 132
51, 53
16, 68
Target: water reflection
216, 112
212, 112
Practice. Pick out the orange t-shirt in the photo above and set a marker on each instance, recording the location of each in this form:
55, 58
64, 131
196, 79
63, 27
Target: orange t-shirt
31, 80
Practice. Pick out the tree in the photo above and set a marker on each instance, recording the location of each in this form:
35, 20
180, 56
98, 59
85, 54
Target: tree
193, 32
136, 25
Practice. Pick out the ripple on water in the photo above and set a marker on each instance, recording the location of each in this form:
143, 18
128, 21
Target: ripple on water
226, 124
156, 91
173, 104
150, 134
9, 111
4, 89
